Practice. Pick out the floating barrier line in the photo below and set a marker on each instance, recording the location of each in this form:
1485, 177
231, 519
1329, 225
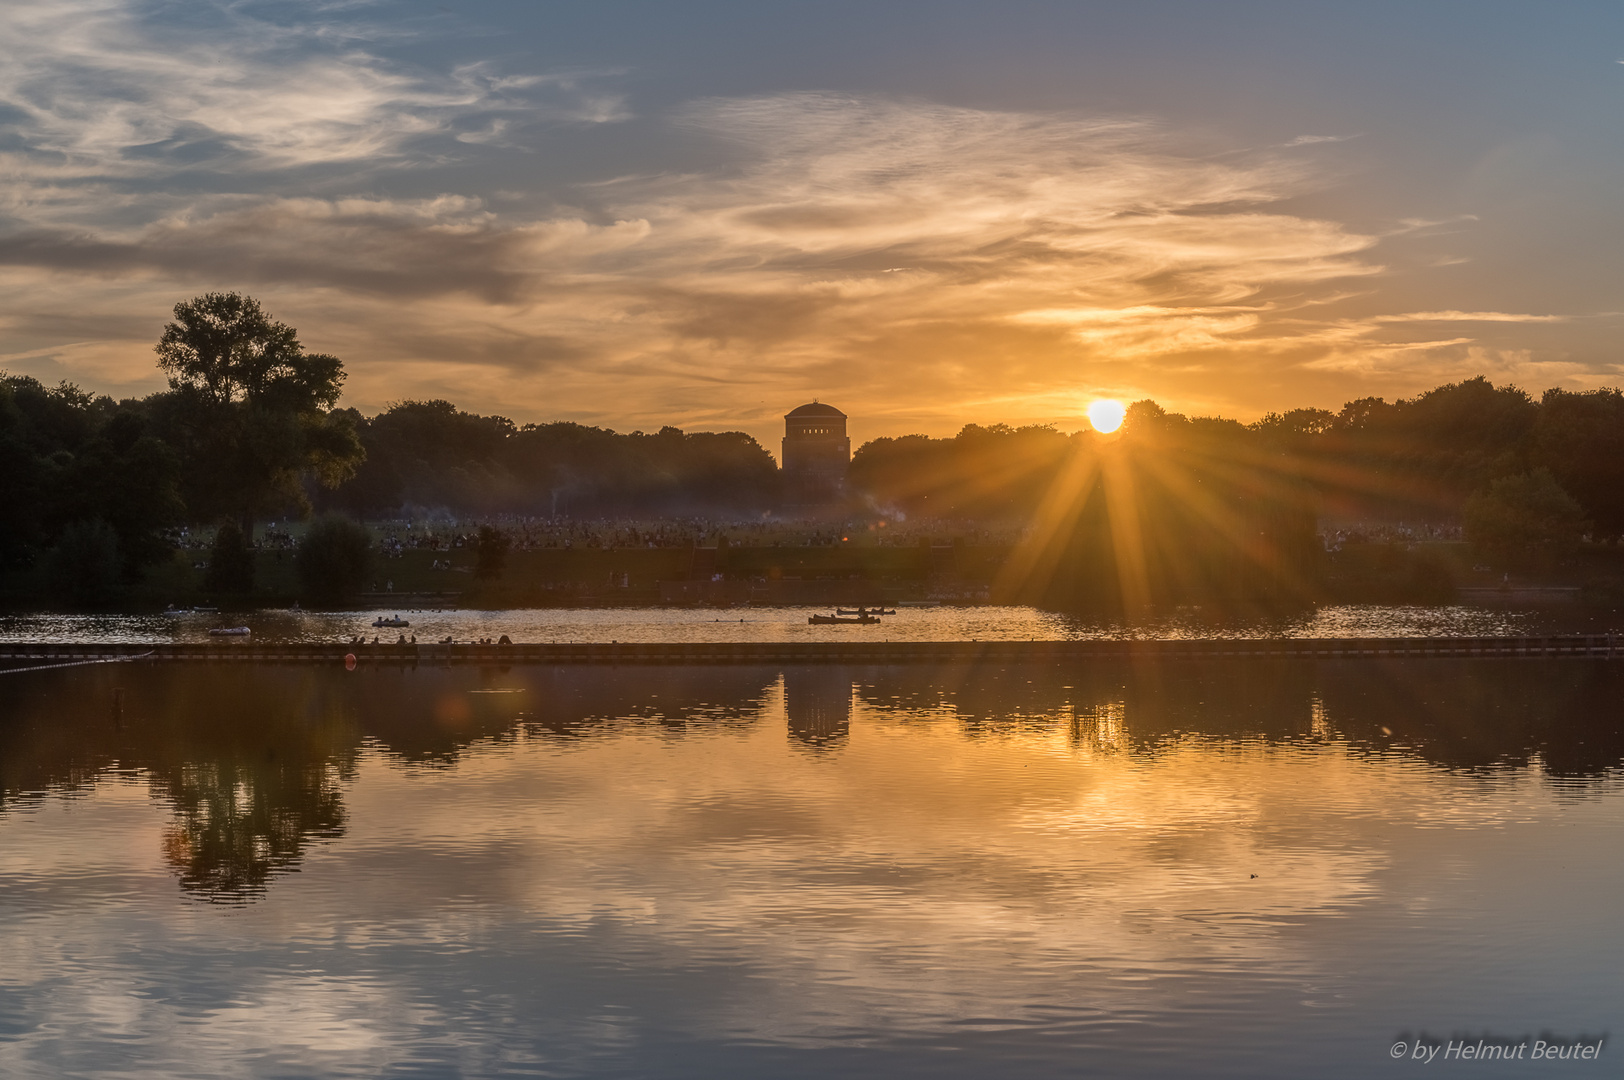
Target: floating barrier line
78, 663
1590, 646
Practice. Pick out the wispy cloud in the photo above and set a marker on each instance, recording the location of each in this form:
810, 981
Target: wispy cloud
113, 90
1467, 316
1314, 140
916, 260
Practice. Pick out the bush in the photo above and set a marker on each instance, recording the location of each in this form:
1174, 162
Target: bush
231, 564
1524, 520
1428, 579
1386, 573
86, 567
333, 559
493, 551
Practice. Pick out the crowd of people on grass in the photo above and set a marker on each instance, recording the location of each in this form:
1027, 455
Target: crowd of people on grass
395, 537
1335, 539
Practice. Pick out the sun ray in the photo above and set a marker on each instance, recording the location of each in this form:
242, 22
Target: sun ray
1127, 536
1032, 566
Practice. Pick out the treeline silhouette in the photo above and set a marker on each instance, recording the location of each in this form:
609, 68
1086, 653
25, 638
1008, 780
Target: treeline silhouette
430, 455
1172, 509
1205, 510
1419, 459
250, 428
99, 487
1198, 507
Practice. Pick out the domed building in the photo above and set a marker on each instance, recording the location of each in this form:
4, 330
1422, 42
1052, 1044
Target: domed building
816, 456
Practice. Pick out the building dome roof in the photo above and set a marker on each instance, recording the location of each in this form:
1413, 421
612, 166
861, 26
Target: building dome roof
815, 409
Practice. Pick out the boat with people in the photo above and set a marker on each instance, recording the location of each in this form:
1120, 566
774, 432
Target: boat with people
230, 631
865, 611
828, 620
394, 621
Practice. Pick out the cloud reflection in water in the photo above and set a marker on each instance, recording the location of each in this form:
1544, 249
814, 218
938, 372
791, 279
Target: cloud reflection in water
712, 868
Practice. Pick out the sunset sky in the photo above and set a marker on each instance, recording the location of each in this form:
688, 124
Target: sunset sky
633, 214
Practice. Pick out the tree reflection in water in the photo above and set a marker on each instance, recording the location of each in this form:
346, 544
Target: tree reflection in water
253, 760
1455, 714
237, 824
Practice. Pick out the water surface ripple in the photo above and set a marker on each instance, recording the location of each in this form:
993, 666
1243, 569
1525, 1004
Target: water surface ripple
1258, 868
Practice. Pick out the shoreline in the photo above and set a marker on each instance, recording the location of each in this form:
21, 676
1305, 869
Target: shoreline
26, 656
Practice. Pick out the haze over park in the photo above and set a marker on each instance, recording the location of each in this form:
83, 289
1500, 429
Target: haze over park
633, 215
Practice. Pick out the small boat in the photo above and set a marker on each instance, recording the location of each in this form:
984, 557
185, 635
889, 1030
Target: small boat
828, 620
205, 609
865, 611
391, 622
230, 631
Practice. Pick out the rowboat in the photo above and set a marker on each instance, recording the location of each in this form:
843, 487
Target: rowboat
396, 621
827, 620
865, 611
230, 631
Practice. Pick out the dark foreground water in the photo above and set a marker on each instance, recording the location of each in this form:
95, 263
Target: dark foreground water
1255, 869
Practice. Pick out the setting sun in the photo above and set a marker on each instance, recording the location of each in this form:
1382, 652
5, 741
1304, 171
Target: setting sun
1106, 415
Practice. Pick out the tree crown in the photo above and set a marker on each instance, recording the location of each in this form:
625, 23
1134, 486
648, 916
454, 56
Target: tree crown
225, 347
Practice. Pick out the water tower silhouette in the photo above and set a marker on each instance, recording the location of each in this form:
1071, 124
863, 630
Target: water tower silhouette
817, 700
817, 453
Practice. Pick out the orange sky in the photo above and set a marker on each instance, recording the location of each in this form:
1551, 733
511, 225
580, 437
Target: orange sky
553, 243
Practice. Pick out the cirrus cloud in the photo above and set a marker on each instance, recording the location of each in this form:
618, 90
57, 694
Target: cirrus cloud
924, 264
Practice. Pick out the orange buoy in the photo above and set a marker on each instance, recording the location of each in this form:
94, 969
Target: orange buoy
349, 661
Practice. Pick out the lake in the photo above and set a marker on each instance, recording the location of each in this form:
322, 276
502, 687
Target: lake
1248, 869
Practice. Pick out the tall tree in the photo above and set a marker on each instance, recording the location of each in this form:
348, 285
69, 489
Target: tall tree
253, 411
333, 559
1524, 520
68, 458
1579, 437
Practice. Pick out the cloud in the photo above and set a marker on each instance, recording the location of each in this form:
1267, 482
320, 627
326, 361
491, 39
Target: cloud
920, 262
1468, 316
395, 249
110, 90
1314, 140
680, 839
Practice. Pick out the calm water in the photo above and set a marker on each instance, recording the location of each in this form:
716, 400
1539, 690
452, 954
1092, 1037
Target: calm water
806, 872
789, 624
